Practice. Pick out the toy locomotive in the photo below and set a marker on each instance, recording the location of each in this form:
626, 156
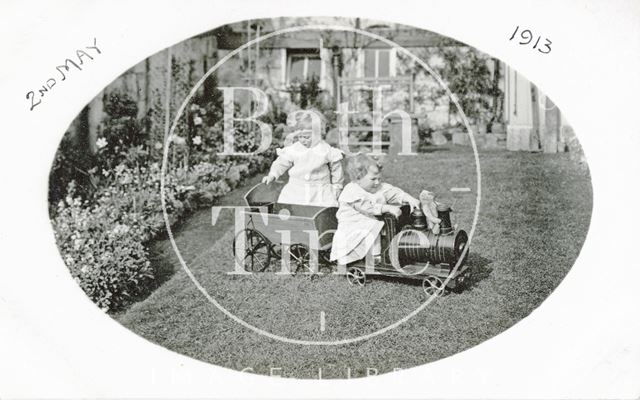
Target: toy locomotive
410, 250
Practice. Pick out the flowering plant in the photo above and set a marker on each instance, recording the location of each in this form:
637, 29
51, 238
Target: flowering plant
104, 255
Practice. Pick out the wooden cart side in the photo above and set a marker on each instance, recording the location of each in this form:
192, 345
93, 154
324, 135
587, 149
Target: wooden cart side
262, 194
325, 221
297, 227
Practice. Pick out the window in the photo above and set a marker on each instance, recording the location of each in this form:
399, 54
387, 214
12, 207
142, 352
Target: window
302, 65
378, 63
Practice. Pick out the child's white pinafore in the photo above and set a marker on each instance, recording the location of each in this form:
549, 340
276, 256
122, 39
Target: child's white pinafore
315, 174
358, 227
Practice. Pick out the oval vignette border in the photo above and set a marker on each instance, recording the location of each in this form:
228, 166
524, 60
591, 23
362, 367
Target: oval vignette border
165, 156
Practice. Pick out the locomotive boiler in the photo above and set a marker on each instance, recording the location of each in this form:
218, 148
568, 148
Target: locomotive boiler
413, 251
417, 244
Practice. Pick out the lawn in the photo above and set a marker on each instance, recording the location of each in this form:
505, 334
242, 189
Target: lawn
533, 220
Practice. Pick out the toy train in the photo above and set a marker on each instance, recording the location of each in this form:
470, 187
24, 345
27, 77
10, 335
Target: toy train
410, 250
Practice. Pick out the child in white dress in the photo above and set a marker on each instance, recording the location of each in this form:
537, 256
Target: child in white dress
364, 198
315, 168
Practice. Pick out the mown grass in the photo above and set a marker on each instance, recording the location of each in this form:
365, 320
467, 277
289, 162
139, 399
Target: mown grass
534, 217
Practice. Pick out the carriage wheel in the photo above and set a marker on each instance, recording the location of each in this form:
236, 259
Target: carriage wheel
356, 276
324, 257
257, 255
276, 251
432, 285
299, 257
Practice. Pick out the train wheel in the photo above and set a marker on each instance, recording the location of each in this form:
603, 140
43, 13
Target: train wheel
461, 278
257, 255
432, 285
356, 276
459, 244
299, 257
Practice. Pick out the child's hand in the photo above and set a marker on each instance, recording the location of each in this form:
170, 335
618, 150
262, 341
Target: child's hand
414, 203
432, 219
395, 210
268, 179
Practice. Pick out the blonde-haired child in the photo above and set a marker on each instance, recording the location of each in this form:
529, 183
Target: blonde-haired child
315, 168
361, 201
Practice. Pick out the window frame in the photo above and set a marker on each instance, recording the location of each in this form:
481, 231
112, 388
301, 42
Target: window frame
307, 54
392, 64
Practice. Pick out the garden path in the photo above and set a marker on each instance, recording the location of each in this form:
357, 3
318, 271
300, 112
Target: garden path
196, 235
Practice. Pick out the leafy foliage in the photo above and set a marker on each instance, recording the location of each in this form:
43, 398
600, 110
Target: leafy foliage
469, 78
120, 130
308, 95
70, 164
104, 255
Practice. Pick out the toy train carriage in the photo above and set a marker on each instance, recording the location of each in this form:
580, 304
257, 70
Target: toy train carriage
412, 251
306, 230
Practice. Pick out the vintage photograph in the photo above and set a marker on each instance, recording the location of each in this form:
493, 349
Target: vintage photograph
320, 197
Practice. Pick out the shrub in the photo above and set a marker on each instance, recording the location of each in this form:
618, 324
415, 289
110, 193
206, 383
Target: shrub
468, 76
103, 240
120, 130
70, 164
105, 256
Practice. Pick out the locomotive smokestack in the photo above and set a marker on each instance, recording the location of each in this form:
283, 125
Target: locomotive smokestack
444, 213
418, 219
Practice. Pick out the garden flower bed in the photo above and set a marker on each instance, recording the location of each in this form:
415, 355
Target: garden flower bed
104, 240
105, 218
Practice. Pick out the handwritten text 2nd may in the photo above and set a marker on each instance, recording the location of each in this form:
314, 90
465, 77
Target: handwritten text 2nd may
80, 59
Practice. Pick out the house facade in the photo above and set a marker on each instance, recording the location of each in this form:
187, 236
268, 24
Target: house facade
348, 67
346, 64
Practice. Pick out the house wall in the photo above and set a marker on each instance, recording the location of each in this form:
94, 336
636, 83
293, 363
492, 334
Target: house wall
272, 69
533, 121
271, 75
518, 111
146, 84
